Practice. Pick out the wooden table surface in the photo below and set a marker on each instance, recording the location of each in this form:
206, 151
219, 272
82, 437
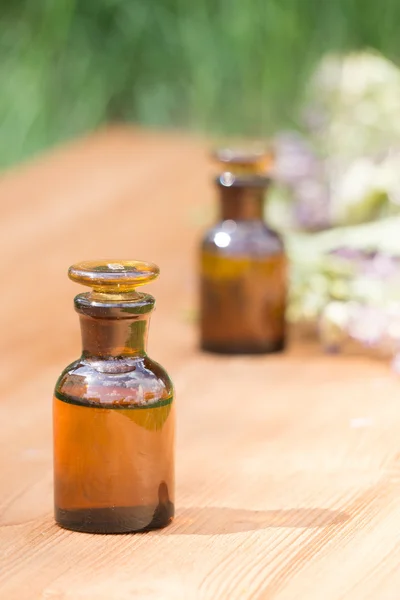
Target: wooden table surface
288, 467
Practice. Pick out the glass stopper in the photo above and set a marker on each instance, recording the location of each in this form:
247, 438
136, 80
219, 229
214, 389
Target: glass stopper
244, 160
113, 276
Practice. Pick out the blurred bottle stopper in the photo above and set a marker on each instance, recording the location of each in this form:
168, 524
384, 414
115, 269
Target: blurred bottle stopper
252, 160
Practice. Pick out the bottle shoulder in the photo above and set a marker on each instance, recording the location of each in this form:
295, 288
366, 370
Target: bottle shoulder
242, 237
136, 381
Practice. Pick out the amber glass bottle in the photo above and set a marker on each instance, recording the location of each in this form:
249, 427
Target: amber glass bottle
243, 274
113, 411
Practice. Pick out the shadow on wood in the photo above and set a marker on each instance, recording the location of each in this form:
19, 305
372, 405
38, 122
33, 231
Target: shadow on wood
215, 520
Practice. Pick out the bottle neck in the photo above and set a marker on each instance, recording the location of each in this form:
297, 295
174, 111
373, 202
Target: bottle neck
103, 338
241, 203
114, 325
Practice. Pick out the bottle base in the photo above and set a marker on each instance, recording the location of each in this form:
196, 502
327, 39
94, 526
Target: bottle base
115, 519
243, 348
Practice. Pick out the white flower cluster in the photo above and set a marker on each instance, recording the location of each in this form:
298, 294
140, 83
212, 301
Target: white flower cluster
357, 100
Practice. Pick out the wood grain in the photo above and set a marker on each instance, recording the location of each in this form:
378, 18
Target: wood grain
288, 467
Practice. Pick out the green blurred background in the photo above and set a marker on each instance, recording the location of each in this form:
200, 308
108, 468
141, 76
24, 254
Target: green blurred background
220, 66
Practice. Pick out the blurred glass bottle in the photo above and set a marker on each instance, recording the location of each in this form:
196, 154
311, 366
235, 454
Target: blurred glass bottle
243, 273
113, 411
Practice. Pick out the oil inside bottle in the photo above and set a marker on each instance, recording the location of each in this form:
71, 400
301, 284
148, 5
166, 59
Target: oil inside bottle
113, 465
